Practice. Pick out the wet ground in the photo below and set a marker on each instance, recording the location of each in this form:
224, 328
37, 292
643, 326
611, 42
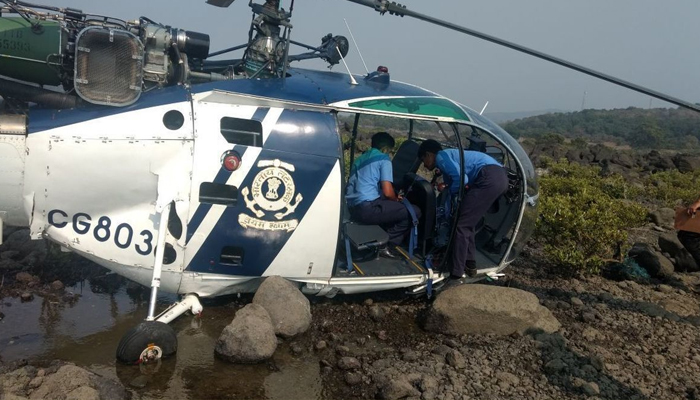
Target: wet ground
87, 330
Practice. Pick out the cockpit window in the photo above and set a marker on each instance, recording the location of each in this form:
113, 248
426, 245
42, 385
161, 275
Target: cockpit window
429, 106
242, 131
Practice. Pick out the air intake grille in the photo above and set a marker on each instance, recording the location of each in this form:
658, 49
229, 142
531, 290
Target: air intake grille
108, 66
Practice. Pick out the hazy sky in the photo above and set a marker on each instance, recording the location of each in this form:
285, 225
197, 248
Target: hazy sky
650, 43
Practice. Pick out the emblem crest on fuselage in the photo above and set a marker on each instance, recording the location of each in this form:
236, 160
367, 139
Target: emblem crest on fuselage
271, 194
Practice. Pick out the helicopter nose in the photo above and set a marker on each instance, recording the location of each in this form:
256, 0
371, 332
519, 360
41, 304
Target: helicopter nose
13, 141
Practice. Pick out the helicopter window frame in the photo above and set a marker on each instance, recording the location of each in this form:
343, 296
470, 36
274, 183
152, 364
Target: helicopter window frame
240, 131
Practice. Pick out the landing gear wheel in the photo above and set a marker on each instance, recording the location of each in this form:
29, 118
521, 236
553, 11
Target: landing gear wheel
147, 342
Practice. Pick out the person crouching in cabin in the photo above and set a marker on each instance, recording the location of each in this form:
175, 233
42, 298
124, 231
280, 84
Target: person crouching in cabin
484, 180
370, 194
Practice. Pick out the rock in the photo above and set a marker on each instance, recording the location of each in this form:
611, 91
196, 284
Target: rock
410, 356
685, 262
369, 302
588, 317
591, 389
686, 163
554, 366
296, 348
665, 289
57, 286
636, 359
321, 345
353, 378
349, 363
590, 334
663, 217
509, 378
669, 243
26, 296
24, 277
455, 359
288, 308
681, 308
342, 350
654, 262
249, 338
576, 302
30, 252
382, 335
376, 313
15, 382
651, 309
72, 382
398, 388
470, 309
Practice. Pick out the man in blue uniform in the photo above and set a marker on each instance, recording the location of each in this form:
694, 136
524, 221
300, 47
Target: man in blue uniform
484, 180
370, 194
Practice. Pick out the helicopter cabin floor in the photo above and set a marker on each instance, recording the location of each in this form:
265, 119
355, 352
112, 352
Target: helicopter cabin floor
403, 265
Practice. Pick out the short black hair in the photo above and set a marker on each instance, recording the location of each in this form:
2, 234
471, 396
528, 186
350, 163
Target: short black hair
429, 146
381, 140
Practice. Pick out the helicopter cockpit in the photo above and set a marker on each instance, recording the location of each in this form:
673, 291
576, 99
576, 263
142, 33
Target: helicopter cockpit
420, 187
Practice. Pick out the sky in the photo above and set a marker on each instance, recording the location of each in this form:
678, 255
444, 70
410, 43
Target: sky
647, 42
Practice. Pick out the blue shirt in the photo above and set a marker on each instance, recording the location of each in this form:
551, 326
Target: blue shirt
448, 162
367, 171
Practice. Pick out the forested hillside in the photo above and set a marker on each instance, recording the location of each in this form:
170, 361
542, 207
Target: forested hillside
659, 128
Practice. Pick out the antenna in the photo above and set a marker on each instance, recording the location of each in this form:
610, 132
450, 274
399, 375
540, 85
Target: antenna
352, 80
583, 102
356, 46
484, 109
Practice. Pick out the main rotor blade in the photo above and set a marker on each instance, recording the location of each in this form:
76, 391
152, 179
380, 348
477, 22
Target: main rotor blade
383, 6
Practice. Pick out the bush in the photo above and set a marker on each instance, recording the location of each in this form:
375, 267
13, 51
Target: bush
584, 217
669, 188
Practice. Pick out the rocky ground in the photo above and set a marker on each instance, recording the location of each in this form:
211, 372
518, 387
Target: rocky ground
622, 336
618, 339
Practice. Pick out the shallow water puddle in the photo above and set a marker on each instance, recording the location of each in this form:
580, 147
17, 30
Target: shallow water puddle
87, 333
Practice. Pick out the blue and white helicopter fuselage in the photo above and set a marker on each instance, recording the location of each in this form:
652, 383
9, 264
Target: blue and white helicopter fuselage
96, 179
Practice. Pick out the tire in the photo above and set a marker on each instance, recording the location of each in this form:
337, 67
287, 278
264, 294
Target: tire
138, 338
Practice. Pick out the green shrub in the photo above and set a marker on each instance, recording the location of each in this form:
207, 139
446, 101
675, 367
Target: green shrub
584, 217
668, 188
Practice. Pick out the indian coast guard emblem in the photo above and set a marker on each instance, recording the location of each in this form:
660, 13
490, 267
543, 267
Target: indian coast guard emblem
272, 191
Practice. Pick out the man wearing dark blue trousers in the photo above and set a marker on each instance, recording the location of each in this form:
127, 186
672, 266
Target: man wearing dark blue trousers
370, 194
484, 180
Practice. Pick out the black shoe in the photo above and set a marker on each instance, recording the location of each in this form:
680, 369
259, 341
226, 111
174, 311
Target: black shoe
451, 282
470, 268
386, 252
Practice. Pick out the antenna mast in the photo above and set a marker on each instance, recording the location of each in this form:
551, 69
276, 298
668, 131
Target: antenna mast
356, 46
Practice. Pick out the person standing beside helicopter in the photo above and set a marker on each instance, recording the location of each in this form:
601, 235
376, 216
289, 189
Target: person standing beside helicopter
485, 180
371, 197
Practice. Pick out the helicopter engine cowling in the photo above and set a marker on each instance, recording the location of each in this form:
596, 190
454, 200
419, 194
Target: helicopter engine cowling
13, 136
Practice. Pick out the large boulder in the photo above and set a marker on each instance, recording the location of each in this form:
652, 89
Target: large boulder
651, 260
684, 262
663, 217
686, 163
289, 309
669, 243
656, 161
249, 338
470, 309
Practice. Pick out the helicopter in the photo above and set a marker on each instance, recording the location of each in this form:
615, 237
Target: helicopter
123, 142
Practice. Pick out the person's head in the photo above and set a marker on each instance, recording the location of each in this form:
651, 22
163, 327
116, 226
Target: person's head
383, 142
428, 151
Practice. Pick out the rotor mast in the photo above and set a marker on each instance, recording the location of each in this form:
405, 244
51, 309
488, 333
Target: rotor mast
384, 6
